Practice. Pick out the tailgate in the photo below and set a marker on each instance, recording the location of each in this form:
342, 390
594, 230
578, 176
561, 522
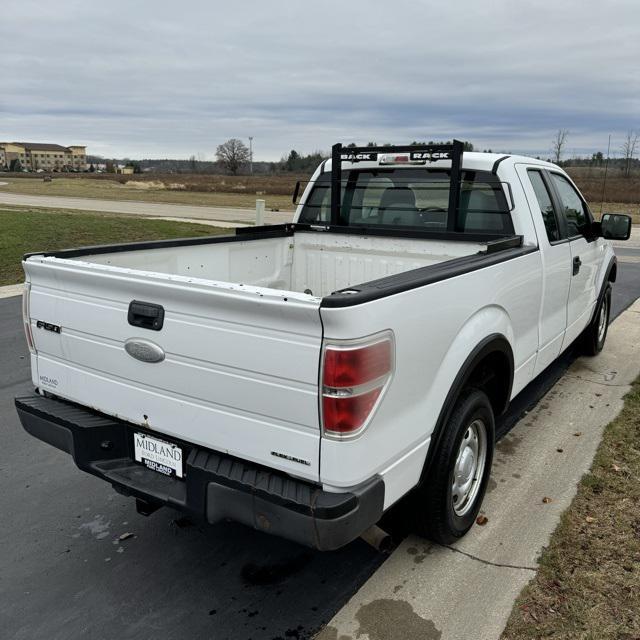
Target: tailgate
240, 367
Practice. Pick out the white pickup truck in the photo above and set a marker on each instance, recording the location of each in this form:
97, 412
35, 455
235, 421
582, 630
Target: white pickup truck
303, 378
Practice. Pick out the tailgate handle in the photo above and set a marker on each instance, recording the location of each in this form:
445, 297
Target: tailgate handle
146, 315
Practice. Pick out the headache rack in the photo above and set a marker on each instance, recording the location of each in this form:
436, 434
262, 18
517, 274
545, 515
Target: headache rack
424, 153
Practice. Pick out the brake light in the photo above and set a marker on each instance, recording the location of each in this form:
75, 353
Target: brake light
26, 318
355, 375
405, 158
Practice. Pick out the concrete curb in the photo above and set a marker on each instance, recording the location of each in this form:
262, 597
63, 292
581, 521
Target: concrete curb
11, 290
465, 591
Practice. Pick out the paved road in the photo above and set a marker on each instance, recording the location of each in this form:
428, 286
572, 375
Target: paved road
151, 209
64, 575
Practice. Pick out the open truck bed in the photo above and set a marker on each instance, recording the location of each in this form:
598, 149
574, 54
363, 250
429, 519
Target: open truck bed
290, 259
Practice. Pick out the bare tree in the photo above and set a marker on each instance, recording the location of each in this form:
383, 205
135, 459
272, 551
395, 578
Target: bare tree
558, 144
629, 148
233, 155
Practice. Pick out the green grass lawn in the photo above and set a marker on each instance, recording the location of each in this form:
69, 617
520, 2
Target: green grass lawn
26, 230
112, 190
588, 585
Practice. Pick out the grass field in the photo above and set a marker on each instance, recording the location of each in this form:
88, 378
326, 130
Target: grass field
588, 585
266, 184
222, 194
25, 230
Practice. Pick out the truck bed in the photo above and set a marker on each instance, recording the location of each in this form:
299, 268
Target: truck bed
312, 263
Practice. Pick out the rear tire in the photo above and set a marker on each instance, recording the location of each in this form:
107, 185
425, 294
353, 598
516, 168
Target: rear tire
595, 334
446, 505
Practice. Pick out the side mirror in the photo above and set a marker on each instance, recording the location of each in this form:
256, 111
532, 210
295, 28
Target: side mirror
615, 226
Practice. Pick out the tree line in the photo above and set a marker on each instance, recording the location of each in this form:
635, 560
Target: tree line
626, 161
234, 157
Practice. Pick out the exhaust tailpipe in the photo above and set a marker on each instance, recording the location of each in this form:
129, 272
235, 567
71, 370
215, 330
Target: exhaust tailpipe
378, 539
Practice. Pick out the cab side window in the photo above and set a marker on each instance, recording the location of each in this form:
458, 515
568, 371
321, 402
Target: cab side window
574, 209
546, 205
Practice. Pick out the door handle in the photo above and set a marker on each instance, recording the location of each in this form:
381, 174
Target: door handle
146, 315
577, 263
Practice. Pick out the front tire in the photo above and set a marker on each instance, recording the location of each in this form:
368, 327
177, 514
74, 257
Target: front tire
596, 333
446, 505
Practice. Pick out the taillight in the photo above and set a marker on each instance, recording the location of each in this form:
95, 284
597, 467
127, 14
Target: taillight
26, 317
355, 375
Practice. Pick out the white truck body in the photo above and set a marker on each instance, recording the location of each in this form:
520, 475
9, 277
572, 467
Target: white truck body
246, 318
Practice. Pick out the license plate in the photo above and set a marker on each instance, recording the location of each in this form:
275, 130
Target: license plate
158, 455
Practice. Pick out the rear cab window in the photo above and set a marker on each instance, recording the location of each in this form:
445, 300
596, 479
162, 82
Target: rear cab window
411, 198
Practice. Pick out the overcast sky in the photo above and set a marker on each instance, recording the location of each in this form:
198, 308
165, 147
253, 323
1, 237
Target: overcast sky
171, 79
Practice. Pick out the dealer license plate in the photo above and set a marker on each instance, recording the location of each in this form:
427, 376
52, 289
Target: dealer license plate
158, 455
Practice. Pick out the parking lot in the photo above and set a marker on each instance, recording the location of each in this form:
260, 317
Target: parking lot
76, 559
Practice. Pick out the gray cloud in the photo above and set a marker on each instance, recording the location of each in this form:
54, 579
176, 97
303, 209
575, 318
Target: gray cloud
171, 79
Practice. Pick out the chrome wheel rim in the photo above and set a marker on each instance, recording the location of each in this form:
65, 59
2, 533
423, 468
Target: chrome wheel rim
469, 468
602, 319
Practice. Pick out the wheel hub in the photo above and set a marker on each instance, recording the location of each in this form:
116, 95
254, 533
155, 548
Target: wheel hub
466, 465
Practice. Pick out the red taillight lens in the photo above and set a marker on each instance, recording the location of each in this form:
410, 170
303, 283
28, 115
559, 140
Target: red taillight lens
354, 378
346, 414
345, 367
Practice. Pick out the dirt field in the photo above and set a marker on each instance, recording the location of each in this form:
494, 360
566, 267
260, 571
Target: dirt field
617, 189
281, 184
622, 194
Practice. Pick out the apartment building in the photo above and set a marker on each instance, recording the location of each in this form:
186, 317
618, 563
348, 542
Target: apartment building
35, 156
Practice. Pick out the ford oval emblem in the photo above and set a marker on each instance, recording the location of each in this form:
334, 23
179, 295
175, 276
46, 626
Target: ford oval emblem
144, 350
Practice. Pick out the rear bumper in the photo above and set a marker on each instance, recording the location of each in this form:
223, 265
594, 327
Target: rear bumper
215, 486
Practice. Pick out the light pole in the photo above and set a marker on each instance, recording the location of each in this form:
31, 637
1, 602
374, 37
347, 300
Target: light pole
251, 155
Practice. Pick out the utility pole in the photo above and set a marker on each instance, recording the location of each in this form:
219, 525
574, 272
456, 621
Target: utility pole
251, 155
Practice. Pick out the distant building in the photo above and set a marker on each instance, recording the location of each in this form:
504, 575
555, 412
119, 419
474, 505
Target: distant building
125, 169
35, 156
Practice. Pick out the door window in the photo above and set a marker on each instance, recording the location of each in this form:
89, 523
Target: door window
573, 209
546, 205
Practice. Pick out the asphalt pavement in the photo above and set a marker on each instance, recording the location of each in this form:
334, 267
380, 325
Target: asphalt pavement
65, 573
